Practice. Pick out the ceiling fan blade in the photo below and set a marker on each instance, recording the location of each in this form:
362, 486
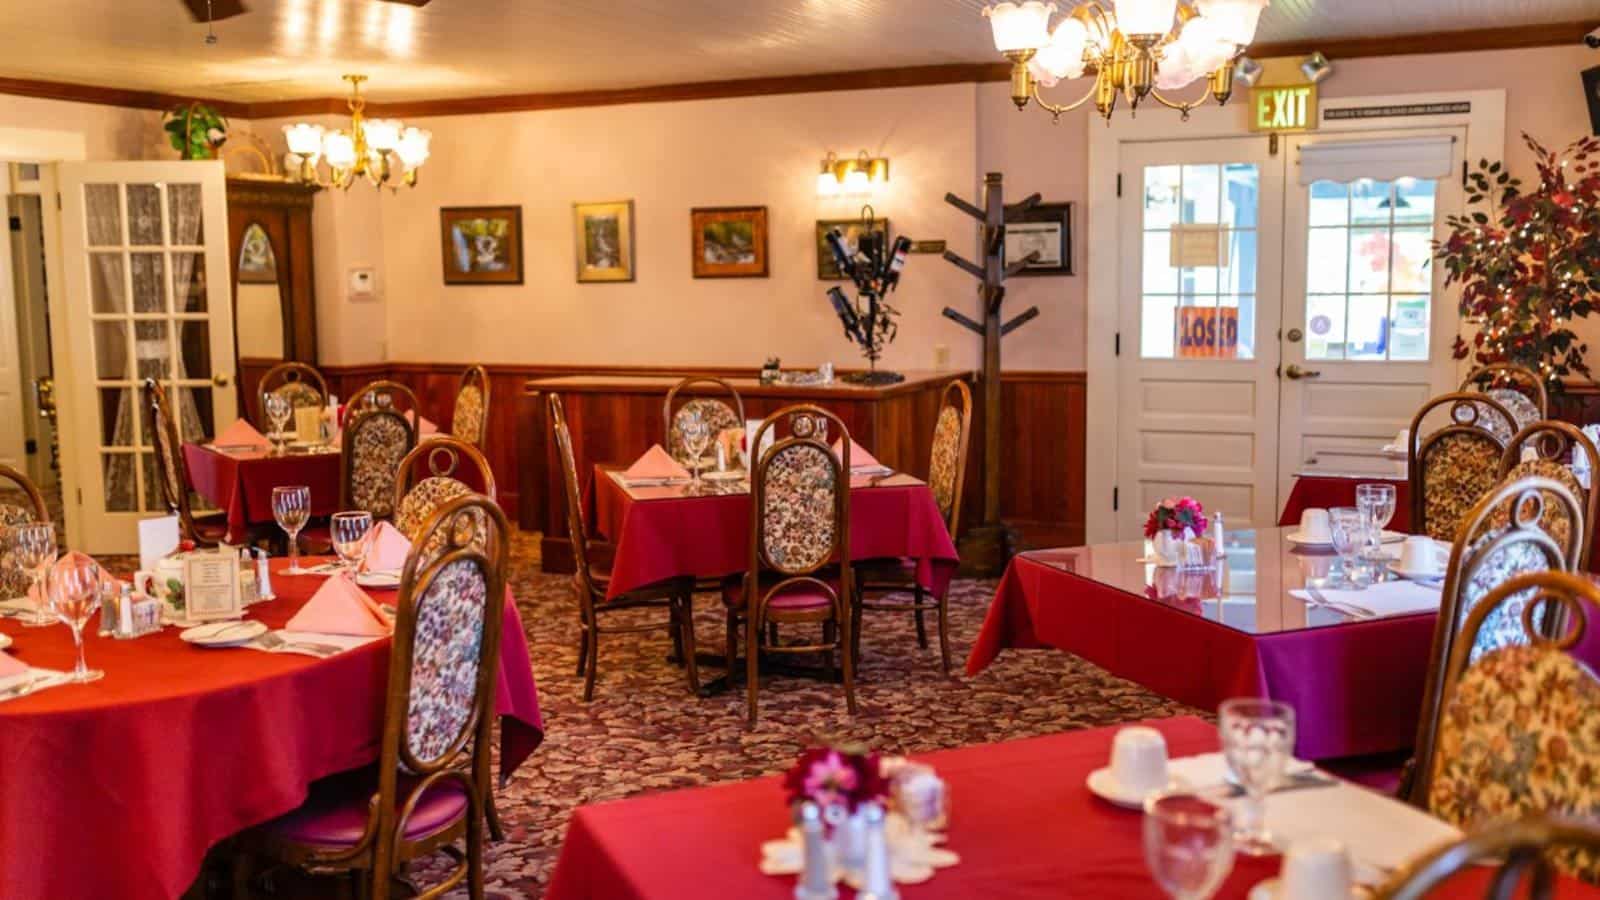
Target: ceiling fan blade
220, 9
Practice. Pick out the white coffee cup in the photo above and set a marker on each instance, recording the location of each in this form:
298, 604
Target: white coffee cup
1315, 869
1139, 760
1314, 527
1423, 555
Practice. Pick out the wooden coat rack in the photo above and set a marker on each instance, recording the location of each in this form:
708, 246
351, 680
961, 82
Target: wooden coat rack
987, 548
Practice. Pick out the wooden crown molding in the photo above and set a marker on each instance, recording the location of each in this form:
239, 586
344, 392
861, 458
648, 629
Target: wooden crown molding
1520, 37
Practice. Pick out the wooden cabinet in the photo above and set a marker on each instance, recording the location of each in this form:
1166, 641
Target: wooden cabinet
273, 280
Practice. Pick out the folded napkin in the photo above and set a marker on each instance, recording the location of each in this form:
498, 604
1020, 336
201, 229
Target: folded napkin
386, 549
240, 434
861, 459
655, 465
1390, 598
340, 607
10, 665
425, 427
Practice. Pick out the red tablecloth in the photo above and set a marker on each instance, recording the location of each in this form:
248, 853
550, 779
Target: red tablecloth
118, 788
1021, 819
709, 536
240, 484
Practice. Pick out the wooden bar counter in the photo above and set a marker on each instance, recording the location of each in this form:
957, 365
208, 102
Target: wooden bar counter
614, 418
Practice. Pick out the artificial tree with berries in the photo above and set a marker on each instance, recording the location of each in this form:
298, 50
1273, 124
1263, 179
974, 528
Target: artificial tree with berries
1529, 263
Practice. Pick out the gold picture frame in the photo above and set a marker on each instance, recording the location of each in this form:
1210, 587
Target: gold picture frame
603, 241
729, 241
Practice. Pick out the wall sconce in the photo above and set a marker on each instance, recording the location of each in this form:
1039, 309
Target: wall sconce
851, 176
1316, 67
1247, 72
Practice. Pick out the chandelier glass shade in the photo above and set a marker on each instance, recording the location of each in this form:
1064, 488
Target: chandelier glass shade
371, 147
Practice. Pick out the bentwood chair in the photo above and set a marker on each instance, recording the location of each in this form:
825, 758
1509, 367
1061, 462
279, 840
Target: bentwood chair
1522, 717
592, 582
1520, 390
1552, 443
717, 413
1484, 557
1453, 466
385, 394
173, 473
469, 421
430, 791
947, 475
446, 458
20, 504
1520, 851
296, 382
799, 537
375, 440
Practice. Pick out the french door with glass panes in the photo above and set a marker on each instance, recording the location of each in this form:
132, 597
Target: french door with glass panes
144, 248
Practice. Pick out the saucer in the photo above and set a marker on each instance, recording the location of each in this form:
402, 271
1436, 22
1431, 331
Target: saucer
729, 475
1268, 890
378, 579
1410, 575
1300, 540
1103, 785
5, 640
224, 634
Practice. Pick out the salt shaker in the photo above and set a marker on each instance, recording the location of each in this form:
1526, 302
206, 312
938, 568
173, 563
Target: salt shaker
816, 877
263, 577
1216, 531
877, 883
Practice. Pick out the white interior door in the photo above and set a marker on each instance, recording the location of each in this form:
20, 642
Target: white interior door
13, 451
1367, 326
1198, 411
144, 251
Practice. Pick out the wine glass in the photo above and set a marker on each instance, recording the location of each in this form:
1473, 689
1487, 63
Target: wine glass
36, 551
278, 412
1376, 502
1347, 526
1257, 742
75, 586
696, 432
291, 506
349, 531
1188, 844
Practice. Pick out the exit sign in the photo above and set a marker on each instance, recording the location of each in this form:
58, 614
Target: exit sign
1283, 108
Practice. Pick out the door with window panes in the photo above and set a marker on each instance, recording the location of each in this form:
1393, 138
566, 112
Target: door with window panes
144, 251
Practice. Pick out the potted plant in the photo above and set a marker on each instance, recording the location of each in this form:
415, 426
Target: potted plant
195, 130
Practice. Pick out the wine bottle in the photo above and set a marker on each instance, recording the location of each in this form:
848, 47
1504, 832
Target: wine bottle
846, 313
897, 262
841, 256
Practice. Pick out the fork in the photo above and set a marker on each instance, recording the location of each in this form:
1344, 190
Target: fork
1354, 612
274, 641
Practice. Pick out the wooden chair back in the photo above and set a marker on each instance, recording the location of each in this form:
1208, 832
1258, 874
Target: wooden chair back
171, 470
720, 414
577, 529
1453, 466
447, 460
1553, 443
375, 442
800, 497
385, 394
21, 483
952, 438
20, 504
1521, 379
1518, 850
301, 384
469, 420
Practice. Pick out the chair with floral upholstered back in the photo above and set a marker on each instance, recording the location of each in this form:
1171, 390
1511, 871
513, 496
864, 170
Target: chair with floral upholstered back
1520, 390
385, 394
1518, 733
172, 473
375, 443
1552, 443
1521, 851
431, 790
454, 469
719, 415
469, 421
1485, 556
799, 539
300, 384
1453, 466
20, 504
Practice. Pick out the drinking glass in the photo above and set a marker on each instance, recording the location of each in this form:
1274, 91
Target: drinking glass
349, 531
696, 433
291, 506
75, 587
278, 412
1376, 502
1188, 844
1257, 742
36, 551
1347, 526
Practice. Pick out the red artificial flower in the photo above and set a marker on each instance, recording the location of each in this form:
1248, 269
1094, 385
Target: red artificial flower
829, 777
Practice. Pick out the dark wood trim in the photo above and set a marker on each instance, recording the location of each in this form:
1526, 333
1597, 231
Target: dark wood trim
1518, 38
111, 96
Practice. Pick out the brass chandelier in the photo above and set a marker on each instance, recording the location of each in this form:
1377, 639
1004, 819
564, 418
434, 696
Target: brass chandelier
370, 148
1135, 48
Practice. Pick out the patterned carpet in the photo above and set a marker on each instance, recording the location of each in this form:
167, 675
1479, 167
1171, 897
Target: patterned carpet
643, 732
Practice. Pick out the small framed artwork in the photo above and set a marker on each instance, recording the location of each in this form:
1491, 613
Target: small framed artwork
850, 230
1045, 229
729, 241
257, 263
604, 235
481, 244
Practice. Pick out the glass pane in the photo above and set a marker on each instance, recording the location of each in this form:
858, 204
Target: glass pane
153, 501
111, 350
1325, 326
1411, 269
108, 290
1414, 200
183, 207
189, 281
1201, 194
1160, 196
144, 214
1240, 194
1326, 265
1157, 327
1369, 202
1329, 203
198, 420
120, 422
1159, 275
1198, 281
104, 215
149, 294
1409, 338
1368, 327
1245, 323
1369, 260
121, 492
153, 349
195, 349
1239, 276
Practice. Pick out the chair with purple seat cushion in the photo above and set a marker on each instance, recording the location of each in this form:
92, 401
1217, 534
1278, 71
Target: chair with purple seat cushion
430, 790
799, 534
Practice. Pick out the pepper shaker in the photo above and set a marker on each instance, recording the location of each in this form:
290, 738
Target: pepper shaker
816, 876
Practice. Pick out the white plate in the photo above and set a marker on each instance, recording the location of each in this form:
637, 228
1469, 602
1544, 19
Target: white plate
378, 579
1415, 576
5, 641
224, 634
1102, 785
730, 475
1268, 890
1387, 537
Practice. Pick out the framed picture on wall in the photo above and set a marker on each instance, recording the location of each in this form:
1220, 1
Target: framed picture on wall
604, 236
850, 230
481, 244
729, 241
1045, 229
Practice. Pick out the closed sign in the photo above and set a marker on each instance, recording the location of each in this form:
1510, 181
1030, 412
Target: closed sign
1208, 332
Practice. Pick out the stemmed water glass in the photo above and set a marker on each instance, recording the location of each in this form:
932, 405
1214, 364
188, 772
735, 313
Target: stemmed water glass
75, 586
1376, 502
1347, 526
1257, 742
278, 412
36, 551
291, 506
349, 530
696, 432
1188, 844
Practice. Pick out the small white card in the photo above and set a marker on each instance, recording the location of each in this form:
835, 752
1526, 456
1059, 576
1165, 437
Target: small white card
211, 586
157, 538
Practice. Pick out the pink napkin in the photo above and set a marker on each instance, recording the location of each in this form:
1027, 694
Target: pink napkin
387, 549
860, 457
655, 463
10, 665
340, 607
240, 434
425, 427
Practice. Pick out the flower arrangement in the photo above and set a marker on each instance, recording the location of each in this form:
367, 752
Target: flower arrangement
1175, 515
195, 130
830, 777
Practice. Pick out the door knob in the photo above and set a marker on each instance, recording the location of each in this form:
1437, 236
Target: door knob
1295, 373
222, 380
